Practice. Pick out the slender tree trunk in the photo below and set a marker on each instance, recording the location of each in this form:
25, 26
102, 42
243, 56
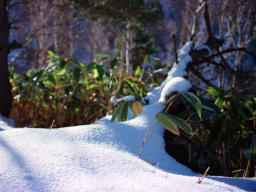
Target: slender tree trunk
127, 47
5, 87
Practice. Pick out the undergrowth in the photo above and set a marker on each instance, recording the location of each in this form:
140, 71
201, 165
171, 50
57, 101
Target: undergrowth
68, 92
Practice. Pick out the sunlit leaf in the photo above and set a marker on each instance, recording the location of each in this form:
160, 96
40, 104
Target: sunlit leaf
171, 122
212, 91
138, 71
219, 101
167, 123
62, 71
101, 55
194, 101
51, 53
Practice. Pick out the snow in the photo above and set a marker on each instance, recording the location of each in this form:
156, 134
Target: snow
179, 84
175, 80
201, 47
179, 69
125, 98
5, 123
99, 157
104, 156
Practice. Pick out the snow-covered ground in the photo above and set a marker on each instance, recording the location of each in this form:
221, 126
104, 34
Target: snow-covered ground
104, 156
99, 157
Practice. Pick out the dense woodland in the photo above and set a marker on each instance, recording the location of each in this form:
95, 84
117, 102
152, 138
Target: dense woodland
61, 61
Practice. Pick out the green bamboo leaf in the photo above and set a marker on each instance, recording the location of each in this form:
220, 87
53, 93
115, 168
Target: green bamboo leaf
167, 123
194, 101
219, 101
170, 120
138, 71
77, 74
101, 55
212, 91
171, 98
123, 112
62, 71
116, 112
51, 78
51, 53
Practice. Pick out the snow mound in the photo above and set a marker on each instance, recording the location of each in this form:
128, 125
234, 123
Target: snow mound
179, 84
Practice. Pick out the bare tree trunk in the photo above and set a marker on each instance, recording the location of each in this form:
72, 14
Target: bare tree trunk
41, 40
127, 47
71, 35
5, 87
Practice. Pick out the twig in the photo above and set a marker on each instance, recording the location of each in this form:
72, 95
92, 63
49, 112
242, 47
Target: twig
193, 70
200, 179
146, 136
175, 48
52, 125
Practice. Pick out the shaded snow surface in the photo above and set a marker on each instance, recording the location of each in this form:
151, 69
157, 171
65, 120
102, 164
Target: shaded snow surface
99, 157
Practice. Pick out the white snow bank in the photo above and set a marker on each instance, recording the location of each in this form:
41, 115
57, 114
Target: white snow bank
98, 157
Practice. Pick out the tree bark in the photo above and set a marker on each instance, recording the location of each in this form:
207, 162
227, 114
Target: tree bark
5, 87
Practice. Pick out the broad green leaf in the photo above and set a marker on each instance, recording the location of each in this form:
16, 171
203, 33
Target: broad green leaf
167, 123
194, 101
138, 71
170, 120
219, 101
92, 86
51, 53
101, 71
77, 74
101, 55
116, 112
95, 73
212, 91
62, 71
123, 112
171, 98
51, 78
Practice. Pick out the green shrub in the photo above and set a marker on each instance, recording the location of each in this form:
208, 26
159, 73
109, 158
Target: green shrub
223, 127
68, 92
